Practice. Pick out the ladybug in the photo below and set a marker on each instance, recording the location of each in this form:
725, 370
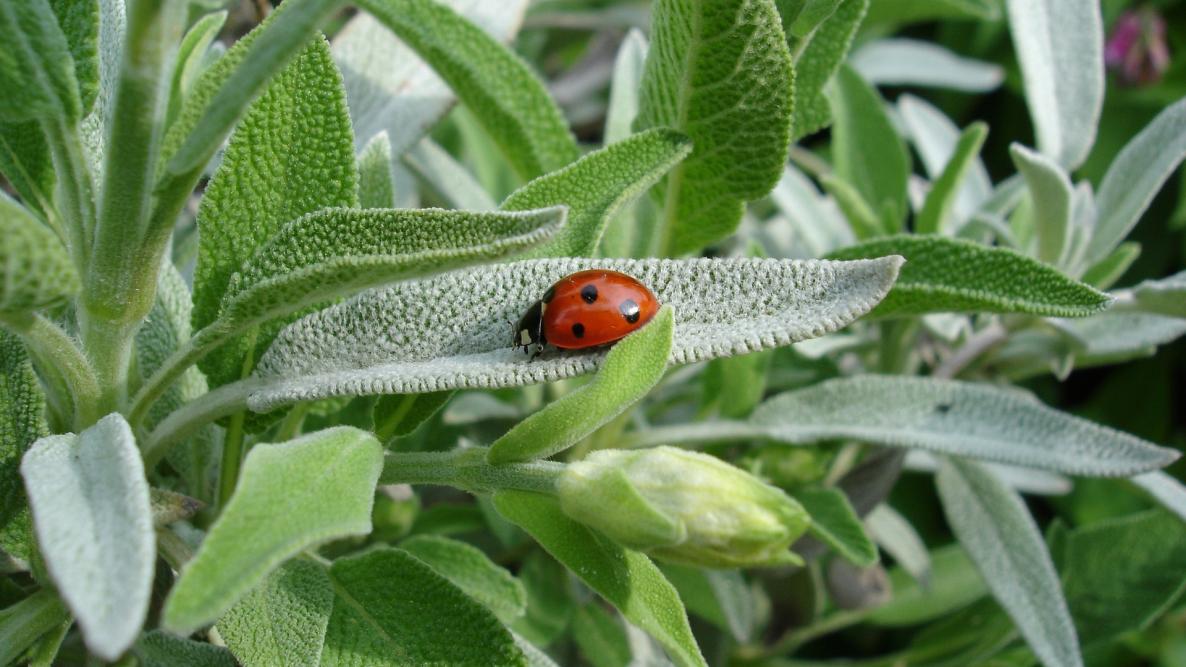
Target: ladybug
586, 309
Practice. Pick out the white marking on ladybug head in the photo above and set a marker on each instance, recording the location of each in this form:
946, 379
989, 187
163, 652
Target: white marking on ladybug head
524, 337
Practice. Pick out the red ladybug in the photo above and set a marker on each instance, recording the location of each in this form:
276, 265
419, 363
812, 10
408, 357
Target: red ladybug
586, 309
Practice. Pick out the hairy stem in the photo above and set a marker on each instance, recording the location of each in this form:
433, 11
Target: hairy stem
222, 402
983, 341
467, 469
75, 192
56, 352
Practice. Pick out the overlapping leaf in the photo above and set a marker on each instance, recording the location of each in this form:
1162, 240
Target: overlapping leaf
835, 523
936, 213
36, 67
909, 62
284, 619
22, 421
462, 337
818, 61
37, 269
473, 572
1050, 192
1166, 296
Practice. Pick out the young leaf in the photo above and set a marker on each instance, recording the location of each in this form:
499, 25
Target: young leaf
1060, 44
550, 603
79, 23
720, 73
23, 623
912, 62
391, 606
835, 523
447, 177
397, 415
626, 579
1164, 297
38, 267
894, 534
597, 186
600, 636
510, 102
935, 138
736, 385
994, 526
936, 214
22, 421
471, 571
94, 526
817, 62
625, 87
951, 275
290, 496
376, 179
36, 68
866, 150
1165, 489
958, 419
721, 307
1135, 176
860, 215
806, 17
1050, 191
160, 649
190, 55
1104, 273
895, 12
631, 368
292, 154
284, 619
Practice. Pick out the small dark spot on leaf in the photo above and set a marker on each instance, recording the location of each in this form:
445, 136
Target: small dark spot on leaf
943, 408
578, 330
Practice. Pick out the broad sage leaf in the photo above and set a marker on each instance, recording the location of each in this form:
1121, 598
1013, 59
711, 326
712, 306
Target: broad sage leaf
463, 339
951, 275
22, 421
910, 62
36, 67
936, 216
816, 62
995, 527
94, 526
1060, 46
473, 572
721, 73
631, 368
290, 496
283, 620
292, 154
958, 419
390, 605
25, 622
502, 91
38, 268
1135, 176
626, 579
836, 524
1050, 190
867, 150
597, 186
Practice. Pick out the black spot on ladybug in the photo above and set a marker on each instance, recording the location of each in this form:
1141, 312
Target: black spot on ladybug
549, 294
629, 310
942, 408
589, 293
578, 330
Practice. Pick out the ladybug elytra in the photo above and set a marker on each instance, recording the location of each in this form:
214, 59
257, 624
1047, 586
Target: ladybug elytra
586, 309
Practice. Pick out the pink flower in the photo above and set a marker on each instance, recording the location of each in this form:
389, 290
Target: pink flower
1137, 51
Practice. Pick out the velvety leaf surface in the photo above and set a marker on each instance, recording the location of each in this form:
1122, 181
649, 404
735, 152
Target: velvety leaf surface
471, 571
994, 526
598, 185
94, 528
818, 62
936, 216
902, 61
36, 68
835, 523
502, 91
463, 339
719, 72
283, 620
22, 421
1166, 490
1050, 191
376, 179
1060, 45
38, 271
631, 368
391, 607
956, 418
627, 579
290, 496
292, 154
160, 649
951, 275
1165, 297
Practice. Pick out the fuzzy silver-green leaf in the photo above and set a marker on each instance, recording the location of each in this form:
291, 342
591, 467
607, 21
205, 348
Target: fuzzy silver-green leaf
22, 421
36, 68
35, 266
818, 61
283, 620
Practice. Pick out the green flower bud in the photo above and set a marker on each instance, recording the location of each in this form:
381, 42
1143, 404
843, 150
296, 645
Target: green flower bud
683, 507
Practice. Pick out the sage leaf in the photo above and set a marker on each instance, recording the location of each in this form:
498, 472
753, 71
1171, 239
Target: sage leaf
1135, 176
26, 163
505, 95
447, 177
471, 571
994, 526
389, 605
597, 186
599, 634
935, 137
382, 75
835, 523
936, 216
1118, 336
1060, 47
954, 583
912, 62
1050, 191
626, 579
816, 64
817, 224
631, 368
292, 154
93, 521
897, 12
38, 268
79, 23
283, 620
958, 419
22, 421
1164, 297
94, 127
36, 67
867, 151
893, 533
23, 623
290, 496
190, 56
861, 217
397, 415
952, 275
720, 73
721, 597
1165, 489
463, 339
376, 177
160, 649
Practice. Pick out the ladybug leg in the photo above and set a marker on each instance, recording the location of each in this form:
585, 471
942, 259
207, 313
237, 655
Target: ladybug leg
539, 349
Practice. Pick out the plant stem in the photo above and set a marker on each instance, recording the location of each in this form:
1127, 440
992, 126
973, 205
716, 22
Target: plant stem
232, 458
183, 422
75, 190
691, 435
981, 342
290, 426
897, 337
186, 355
54, 350
467, 469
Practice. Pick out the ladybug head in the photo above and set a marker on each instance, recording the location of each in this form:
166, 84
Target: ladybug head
530, 329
